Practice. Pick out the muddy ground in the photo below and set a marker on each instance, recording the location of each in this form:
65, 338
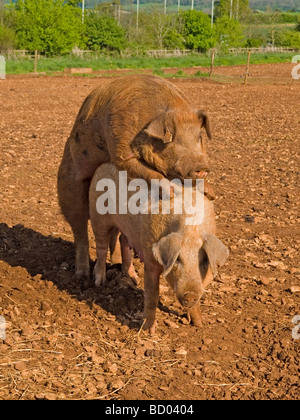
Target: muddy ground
67, 342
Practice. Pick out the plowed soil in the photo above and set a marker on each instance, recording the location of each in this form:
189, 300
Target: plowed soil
64, 341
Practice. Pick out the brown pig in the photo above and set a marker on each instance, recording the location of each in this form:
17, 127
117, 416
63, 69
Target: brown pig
188, 255
142, 124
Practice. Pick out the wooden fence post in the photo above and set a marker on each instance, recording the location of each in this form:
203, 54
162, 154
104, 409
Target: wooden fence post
212, 63
35, 61
248, 67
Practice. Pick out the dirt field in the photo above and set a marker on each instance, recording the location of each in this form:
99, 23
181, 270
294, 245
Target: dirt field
67, 342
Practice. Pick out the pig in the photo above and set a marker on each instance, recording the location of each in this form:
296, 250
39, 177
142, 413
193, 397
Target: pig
144, 125
187, 255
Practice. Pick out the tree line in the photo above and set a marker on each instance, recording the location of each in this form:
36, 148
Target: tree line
55, 27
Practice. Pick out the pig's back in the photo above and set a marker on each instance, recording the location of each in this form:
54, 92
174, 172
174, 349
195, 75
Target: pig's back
129, 103
141, 230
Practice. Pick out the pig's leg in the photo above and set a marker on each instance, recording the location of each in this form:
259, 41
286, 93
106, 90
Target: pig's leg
102, 243
114, 247
140, 169
209, 190
151, 285
127, 266
136, 168
73, 200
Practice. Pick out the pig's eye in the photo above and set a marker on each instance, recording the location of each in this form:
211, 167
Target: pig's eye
179, 260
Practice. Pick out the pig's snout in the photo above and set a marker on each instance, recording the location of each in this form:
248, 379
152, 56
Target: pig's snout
189, 299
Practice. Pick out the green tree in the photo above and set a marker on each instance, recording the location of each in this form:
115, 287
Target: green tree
235, 9
73, 3
229, 33
163, 30
7, 39
7, 33
7, 15
50, 26
290, 39
196, 30
272, 18
103, 31
174, 40
137, 40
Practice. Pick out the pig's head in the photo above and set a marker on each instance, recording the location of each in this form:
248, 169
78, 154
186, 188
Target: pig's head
185, 263
177, 141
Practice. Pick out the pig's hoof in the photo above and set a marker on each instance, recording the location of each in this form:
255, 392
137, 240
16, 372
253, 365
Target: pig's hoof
99, 280
82, 273
150, 326
133, 274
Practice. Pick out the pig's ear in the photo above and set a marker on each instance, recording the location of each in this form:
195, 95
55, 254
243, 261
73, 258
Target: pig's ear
204, 121
216, 252
166, 251
161, 128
